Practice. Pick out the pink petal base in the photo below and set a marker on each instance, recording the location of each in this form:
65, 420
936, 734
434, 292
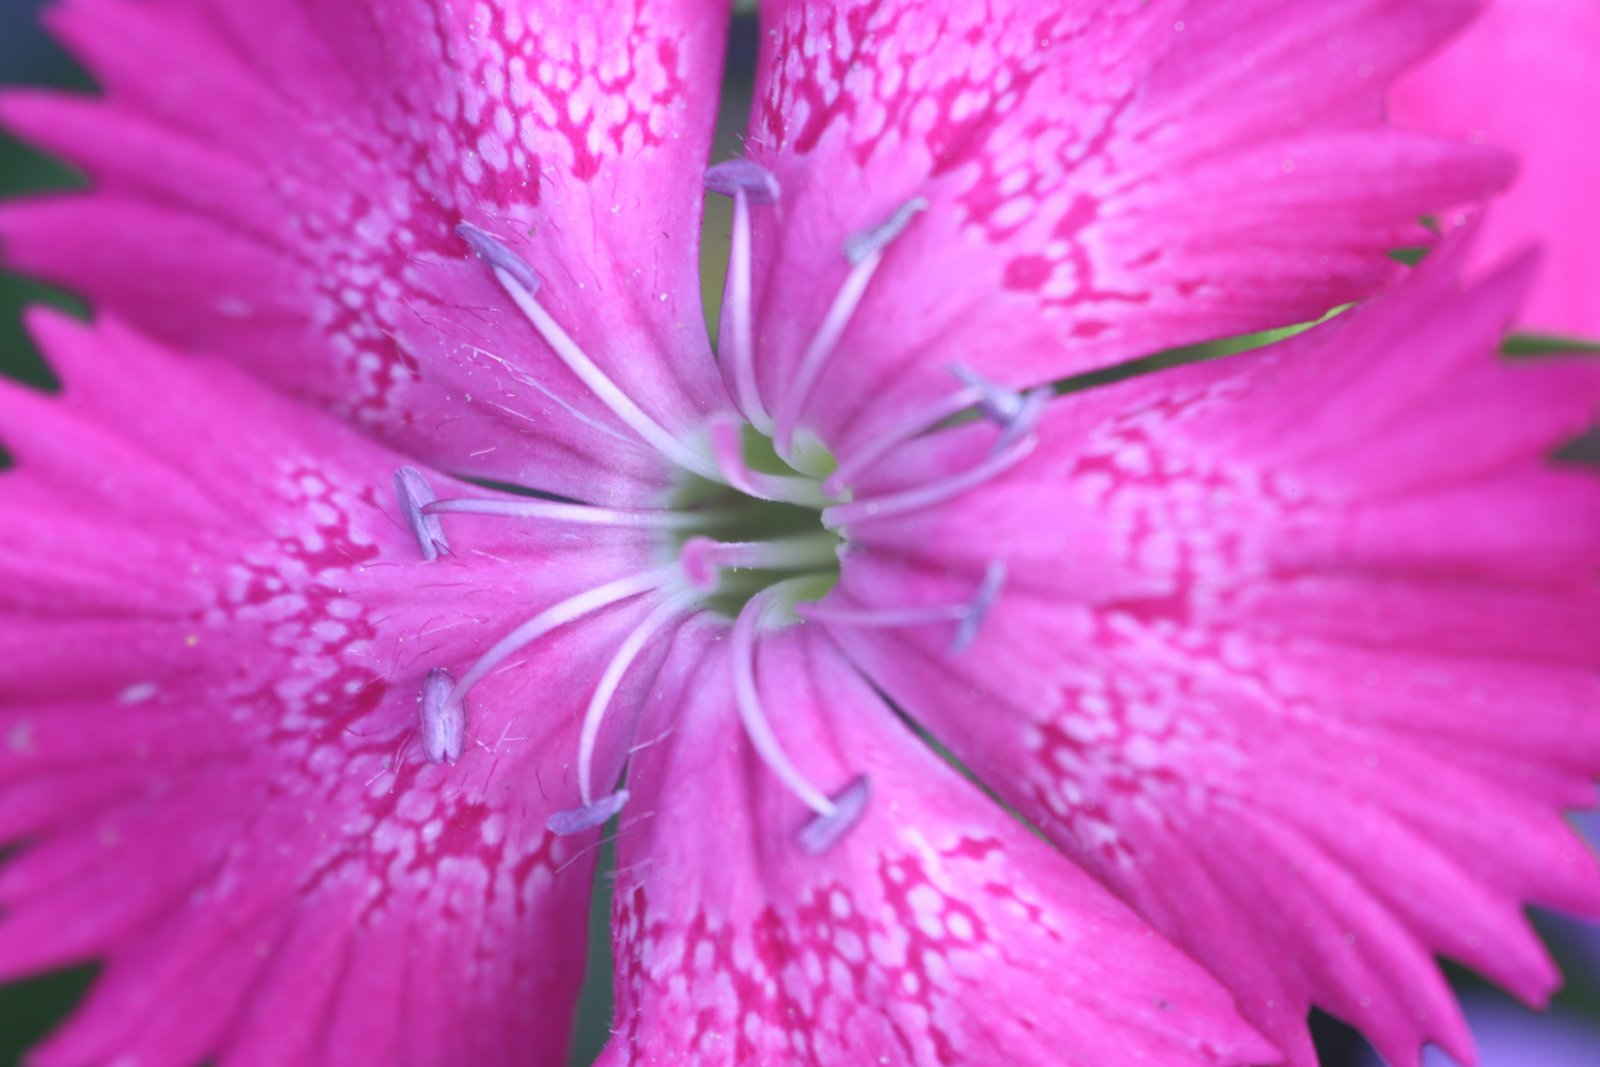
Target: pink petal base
936, 931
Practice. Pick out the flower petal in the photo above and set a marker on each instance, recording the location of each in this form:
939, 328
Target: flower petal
286, 192
215, 626
1522, 77
936, 929
1289, 680
1103, 180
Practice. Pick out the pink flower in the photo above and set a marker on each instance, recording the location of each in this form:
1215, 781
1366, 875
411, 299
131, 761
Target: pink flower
311, 730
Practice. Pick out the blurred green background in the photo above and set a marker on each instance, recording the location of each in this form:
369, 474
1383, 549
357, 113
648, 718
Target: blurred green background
30, 1009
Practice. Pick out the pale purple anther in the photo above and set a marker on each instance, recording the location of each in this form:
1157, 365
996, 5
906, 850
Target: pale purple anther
443, 725
414, 493
859, 247
495, 252
735, 176
1017, 411
1029, 412
822, 831
577, 820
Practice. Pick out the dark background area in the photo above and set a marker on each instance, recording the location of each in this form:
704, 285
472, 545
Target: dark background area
30, 1009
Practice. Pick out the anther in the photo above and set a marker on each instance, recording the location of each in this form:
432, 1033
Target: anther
443, 726
1016, 411
577, 820
743, 176
821, 832
864, 252
414, 494
498, 256
859, 247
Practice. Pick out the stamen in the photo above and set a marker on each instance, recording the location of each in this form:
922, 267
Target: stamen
860, 247
866, 457
970, 615
754, 720
414, 493
515, 276
497, 255
1017, 412
702, 557
572, 608
864, 251
748, 183
444, 722
988, 592
577, 820
822, 832
554, 511
937, 492
628, 651
727, 448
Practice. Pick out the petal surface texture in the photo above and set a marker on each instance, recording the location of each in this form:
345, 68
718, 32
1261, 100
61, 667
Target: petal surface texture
288, 195
215, 628
938, 930
1100, 180
1296, 652
1523, 77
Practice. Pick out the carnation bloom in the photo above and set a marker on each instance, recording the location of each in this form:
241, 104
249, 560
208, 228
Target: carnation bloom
1254, 643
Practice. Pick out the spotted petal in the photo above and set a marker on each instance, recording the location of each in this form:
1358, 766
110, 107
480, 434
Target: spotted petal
1102, 180
1523, 78
1309, 672
287, 191
936, 930
215, 626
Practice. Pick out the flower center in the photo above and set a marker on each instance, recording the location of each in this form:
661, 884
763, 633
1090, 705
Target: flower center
754, 532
